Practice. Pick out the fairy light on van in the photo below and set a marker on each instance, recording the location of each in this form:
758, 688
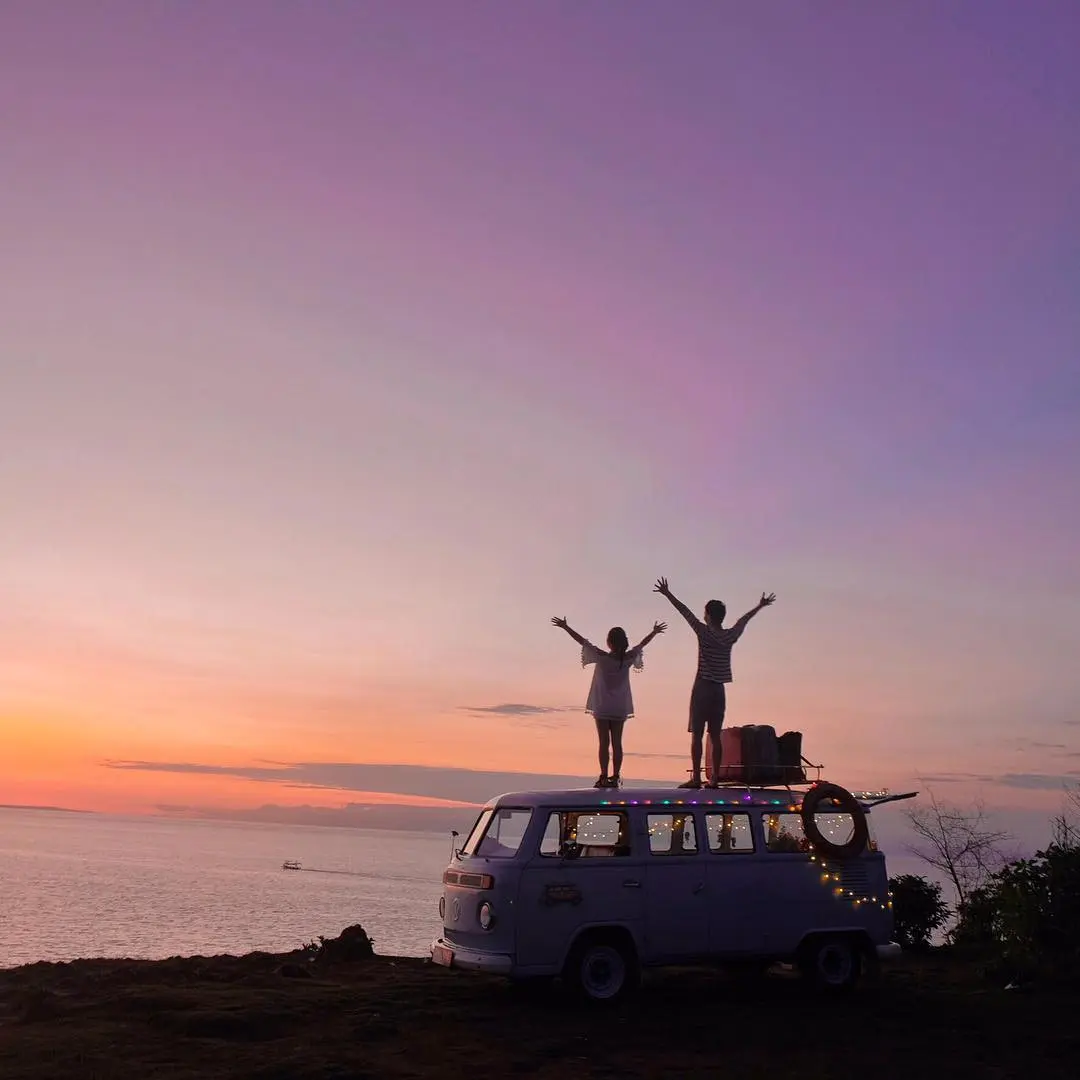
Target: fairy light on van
827, 875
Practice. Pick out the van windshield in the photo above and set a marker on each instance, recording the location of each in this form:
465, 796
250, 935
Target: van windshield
498, 833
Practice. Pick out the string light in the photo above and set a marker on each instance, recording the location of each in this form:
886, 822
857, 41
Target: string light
827, 874
744, 801
840, 891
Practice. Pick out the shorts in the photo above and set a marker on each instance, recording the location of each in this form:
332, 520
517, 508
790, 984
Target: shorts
708, 703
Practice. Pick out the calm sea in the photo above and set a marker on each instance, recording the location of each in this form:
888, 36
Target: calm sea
82, 885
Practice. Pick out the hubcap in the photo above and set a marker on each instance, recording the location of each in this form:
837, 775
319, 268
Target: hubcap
834, 964
603, 971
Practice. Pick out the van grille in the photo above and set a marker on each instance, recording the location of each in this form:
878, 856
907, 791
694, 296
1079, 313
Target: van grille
853, 876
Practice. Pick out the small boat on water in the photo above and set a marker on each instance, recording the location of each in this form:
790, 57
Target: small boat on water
291, 864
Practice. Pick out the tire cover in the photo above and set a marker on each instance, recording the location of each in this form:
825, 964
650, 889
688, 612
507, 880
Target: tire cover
846, 803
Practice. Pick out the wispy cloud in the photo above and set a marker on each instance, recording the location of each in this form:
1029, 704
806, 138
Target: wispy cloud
1026, 781
547, 716
1035, 744
950, 778
1037, 781
453, 785
351, 815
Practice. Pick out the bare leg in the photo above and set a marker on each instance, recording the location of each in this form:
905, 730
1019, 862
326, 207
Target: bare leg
616, 747
603, 731
695, 753
717, 756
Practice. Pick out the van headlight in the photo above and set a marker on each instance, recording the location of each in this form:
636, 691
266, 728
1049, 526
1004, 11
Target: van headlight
487, 916
442, 907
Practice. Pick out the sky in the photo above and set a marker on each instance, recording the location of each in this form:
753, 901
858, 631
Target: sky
343, 345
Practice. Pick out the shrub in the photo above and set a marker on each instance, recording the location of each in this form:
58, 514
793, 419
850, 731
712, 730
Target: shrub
918, 910
350, 945
1029, 913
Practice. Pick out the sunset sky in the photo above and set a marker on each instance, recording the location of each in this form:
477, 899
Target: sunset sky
344, 344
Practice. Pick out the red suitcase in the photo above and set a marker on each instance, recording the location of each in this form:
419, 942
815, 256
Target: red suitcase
731, 762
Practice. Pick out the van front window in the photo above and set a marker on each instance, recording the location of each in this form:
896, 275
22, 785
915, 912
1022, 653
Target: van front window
501, 834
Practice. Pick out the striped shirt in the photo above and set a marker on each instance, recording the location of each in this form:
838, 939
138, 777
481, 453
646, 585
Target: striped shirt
714, 646
714, 652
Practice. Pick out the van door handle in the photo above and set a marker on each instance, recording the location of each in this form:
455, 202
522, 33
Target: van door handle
630, 883
698, 887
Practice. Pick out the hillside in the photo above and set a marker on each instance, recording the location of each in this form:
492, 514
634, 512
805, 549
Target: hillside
282, 1017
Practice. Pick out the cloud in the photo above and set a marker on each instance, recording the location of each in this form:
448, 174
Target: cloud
950, 778
352, 815
516, 710
1034, 744
665, 757
545, 716
1022, 781
1037, 781
452, 785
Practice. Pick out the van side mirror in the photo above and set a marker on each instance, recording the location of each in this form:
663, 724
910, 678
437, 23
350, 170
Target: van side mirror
569, 849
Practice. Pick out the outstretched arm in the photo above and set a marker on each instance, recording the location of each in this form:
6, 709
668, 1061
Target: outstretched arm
764, 602
566, 626
658, 628
662, 588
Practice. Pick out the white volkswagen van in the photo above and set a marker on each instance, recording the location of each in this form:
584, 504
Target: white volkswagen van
596, 884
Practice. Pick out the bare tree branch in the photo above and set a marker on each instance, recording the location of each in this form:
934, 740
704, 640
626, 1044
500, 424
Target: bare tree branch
959, 843
1066, 825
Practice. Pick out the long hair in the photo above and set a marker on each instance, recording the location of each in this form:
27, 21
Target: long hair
618, 643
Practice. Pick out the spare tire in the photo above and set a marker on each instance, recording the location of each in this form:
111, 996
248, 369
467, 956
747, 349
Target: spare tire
845, 803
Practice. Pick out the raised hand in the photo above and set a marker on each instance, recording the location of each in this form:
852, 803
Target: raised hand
767, 600
661, 587
561, 623
659, 628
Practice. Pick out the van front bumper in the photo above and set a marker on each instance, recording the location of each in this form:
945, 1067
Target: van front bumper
888, 952
450, 955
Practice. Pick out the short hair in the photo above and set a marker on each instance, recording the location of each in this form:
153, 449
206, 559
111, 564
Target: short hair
715, 610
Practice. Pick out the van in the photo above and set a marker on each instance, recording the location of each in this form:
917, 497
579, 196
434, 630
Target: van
594, 885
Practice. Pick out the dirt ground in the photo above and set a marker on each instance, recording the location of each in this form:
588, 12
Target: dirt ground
275, 1018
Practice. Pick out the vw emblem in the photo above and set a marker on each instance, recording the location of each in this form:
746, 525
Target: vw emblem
455, 909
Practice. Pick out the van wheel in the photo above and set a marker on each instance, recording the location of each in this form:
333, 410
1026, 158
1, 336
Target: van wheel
601, 969
833, 964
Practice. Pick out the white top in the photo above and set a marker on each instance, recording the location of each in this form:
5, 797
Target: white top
609, 694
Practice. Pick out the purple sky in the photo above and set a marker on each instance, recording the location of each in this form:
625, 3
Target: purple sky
341, 345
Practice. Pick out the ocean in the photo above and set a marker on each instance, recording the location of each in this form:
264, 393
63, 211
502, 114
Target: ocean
86, 885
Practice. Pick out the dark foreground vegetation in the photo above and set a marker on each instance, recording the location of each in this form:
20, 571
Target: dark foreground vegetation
340, 1013
1021, 916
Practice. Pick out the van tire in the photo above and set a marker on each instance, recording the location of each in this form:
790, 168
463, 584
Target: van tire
602, 967
831, 964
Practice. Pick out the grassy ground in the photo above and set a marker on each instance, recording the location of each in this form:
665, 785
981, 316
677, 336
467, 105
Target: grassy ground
248, 1017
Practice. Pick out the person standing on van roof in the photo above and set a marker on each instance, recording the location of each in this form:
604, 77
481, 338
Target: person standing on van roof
610, 700
708, 698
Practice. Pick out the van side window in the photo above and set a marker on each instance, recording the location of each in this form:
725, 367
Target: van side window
730, 833
784, 833
672, 834
591, 833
